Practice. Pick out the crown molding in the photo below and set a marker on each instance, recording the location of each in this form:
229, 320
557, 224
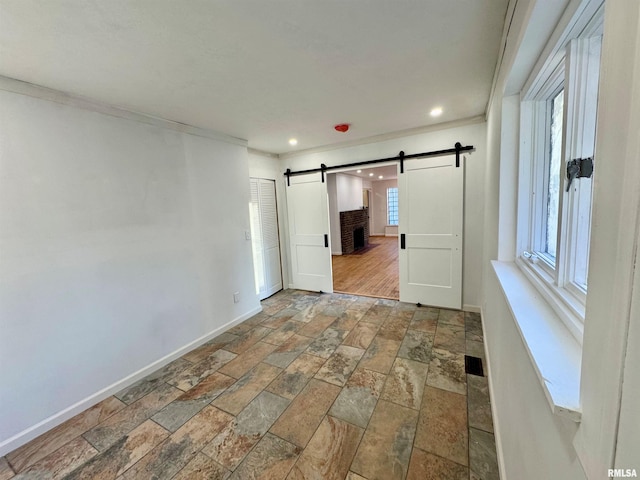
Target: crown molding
25, 88
262, 153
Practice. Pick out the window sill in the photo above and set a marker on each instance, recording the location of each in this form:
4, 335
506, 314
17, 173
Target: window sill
554, 352
564, 304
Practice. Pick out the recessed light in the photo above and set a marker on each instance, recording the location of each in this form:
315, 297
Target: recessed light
371, 174
380, 177
436, 112
293, 141
359, 171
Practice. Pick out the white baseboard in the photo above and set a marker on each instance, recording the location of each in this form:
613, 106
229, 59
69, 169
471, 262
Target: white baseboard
471, 308
47, 424
496, 420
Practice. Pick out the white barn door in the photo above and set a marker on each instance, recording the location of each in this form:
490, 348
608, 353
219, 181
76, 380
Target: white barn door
309, 239
264, 236
430, 227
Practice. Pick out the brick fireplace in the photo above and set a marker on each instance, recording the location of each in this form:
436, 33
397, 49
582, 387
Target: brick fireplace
354, 230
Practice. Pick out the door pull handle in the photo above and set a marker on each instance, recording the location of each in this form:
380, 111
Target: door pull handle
403, 244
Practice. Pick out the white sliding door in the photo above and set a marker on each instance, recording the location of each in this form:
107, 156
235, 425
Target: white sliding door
430, 227
309, 239
264, 237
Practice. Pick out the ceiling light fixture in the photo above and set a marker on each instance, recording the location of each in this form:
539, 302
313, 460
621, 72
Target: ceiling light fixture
380, 177
359, 171
436, 112
293, 141
371, 174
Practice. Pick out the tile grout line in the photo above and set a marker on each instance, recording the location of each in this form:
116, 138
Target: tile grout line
329, 409
413, 442
289, 302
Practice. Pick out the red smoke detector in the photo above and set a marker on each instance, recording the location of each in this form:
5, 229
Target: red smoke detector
343, 127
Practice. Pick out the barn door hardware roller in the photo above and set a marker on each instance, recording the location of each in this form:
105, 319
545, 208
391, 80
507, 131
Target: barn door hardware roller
579, 168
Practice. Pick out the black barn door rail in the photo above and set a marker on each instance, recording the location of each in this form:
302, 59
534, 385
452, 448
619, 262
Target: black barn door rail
401, 158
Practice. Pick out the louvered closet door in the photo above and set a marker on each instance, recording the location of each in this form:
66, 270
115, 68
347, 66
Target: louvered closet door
265, 239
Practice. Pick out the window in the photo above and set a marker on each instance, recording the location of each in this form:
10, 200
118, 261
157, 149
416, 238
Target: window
392, 206
553, 174
558, 124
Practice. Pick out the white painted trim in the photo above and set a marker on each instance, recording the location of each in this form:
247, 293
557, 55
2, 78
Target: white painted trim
614, 240
388, 136
492, 403
509, 16
262, 153
24, 88
47, 424
568, 309
471, 308
555, 354
576, 19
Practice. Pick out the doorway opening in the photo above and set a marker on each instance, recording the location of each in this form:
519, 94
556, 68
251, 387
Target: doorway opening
430, 199
363, 218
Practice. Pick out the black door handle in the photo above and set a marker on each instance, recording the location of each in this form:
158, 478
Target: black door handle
403, 244
326, 240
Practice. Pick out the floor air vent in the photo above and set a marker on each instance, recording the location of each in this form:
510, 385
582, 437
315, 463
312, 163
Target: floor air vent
473, 366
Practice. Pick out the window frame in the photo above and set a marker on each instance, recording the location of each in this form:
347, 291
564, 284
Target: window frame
571, 68
540, 159
397, 213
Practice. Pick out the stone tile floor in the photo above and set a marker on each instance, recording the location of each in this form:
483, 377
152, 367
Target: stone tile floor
315, 387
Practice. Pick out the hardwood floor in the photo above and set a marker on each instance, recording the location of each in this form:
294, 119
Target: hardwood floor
373, 273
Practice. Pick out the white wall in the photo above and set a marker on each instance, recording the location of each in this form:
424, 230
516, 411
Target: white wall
349, 190
533, 442
518, 400
121, 244
379, 205
472, 134
613, 247
628, 441
334, 214
345, 193
629, 434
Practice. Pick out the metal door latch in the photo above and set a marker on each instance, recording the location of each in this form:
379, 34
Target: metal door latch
579, 168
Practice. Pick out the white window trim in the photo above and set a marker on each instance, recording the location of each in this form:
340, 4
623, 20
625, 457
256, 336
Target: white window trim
555, 353
389, 224
540, 112
583, 57
549, 320
566, 299
564, 304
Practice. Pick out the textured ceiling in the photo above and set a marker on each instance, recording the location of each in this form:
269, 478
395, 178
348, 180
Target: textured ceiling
261, 70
